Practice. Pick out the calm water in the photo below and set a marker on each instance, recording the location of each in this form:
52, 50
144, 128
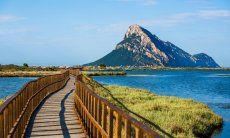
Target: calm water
210, 87
10, 85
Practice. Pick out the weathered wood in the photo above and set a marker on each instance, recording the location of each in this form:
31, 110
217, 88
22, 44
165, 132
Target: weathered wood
56, 116
1, 125
138, 133
127, 129
110, 122
118, 126
18, 108
105, 118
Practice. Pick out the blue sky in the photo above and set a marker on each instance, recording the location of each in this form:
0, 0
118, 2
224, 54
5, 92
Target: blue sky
71, 32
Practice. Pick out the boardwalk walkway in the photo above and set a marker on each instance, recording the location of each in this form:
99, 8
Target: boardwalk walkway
56, 117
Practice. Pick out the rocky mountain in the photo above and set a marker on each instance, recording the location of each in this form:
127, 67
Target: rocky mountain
141, 48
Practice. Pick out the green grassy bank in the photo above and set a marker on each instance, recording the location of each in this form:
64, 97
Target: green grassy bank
27, 73
169, 116
1, 101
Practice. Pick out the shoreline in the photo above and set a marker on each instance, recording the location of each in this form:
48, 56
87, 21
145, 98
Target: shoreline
102, 72
27, 73
163, 109
150, 68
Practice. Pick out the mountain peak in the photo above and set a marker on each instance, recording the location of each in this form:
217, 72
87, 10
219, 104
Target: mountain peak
205, 60
140, 47
134, 29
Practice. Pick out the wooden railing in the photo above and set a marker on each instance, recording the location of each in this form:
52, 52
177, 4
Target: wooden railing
75, 71
17, 110
100, 118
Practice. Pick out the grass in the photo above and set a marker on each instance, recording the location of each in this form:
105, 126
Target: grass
27, 73
104, 73
1, 102
177, 117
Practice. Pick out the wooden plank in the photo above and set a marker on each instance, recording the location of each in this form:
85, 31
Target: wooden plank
57, 116
1, 126
118, 126
6, 122
138, 133
127, 129
110, 122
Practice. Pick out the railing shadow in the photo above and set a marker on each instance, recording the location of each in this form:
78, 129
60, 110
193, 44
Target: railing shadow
64, 128
33, 117
130, 111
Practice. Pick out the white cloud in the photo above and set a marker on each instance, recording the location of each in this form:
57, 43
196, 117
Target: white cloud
179, 18
86, 27
10, 18
198, 1
142, 2
167, 21
210, 14
7, 31
115, 27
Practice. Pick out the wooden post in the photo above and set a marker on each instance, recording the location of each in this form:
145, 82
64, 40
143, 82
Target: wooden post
91, 112
14, 111
110, 122
138, 133
104, 118
118, 125
1, 125
127, 129
99, 115
10, 116
95, 114
88, 107
6, 123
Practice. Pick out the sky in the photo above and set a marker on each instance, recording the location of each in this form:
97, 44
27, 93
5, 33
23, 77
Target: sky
74, 32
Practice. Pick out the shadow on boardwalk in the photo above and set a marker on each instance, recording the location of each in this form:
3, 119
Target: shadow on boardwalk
64, 128
56, 116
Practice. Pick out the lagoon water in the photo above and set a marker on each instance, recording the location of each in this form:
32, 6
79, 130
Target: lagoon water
10, 85
210, 87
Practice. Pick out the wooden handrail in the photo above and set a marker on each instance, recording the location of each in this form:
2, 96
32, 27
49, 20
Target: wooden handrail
15, 112
99, 117
102, 119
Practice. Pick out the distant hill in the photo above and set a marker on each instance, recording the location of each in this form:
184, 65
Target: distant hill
141, 48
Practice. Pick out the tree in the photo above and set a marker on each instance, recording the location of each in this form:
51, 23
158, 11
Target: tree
25, 65
102, 66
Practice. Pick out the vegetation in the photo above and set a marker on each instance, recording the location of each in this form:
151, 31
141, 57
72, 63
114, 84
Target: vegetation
1, 101
26, 67
169, 116
102, 66
27, 73
104, 73
25, 70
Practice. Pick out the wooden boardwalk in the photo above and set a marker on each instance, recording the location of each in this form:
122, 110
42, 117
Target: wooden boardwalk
48, 107
56, 117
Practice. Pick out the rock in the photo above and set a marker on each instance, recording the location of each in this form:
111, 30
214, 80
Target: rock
141, 48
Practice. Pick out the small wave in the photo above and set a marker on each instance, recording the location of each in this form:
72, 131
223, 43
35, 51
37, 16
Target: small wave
221, 105
223, 75
139, 75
